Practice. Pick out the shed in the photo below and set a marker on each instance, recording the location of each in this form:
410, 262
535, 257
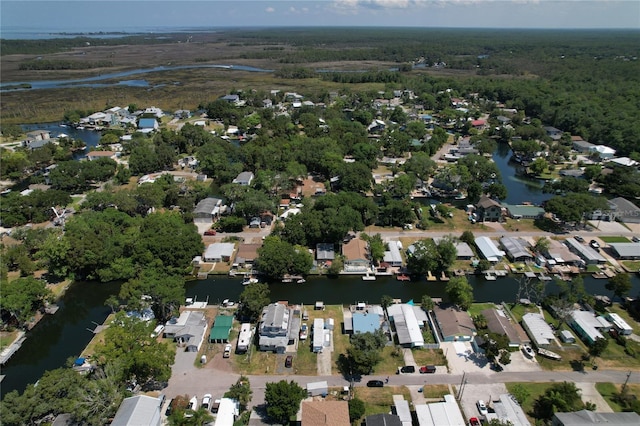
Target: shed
317, 388
567, 337
319, 306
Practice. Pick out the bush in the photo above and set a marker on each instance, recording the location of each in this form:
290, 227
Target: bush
356, 409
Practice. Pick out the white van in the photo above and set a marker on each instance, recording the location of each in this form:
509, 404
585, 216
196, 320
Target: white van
157, 331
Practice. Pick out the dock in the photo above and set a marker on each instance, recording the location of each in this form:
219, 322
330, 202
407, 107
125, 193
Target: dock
8, 352
444, 277
430, 276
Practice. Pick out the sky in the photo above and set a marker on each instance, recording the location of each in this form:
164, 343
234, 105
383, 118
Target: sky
132, 15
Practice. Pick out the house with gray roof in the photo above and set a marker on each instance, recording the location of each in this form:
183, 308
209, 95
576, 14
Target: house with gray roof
325, 251
244, 178
499, 323
588, 326
523, 211
586, 418
488, 210
517, 249
586, 253
139, 410
538, 329
624, 210
453, 324
219, 252
627, 251
274, 328
207, 210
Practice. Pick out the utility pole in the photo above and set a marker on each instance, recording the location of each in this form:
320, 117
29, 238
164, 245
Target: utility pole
624, 386
463, 381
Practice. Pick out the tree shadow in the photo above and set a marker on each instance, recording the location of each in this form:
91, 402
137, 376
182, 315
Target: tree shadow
344, 367
577, 365
261, 410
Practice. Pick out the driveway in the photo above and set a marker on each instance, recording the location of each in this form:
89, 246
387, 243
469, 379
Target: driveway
589, 393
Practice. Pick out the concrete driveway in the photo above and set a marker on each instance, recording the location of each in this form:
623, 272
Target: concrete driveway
589, 393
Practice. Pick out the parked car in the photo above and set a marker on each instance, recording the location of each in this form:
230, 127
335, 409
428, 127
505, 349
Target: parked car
206, 401
193, 406
635, 239
375, 384
227, 351
210, 232
473, 421
579, 238
288, 362
482, 407
594, 244
304, 331
407, 369
428, 369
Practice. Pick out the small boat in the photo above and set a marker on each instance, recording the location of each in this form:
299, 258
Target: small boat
249, 280
403, 277
528, 351
368, 277
549, 354
301, 281
490, 276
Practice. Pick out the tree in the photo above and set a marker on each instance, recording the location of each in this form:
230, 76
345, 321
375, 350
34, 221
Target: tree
128, 342
283, 400
276, 258
520, 392
620, 284
460, 292
598, 347
386, 301
424, 257
447, 253
356, 409
364, 352
574, 207
241, 392
468, 237
542, 245
166, 291
538, 166
559, 397
253, 299
427, 303
376, 246
20, 298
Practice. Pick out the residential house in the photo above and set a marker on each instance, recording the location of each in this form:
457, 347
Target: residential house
524, 211
146, 125
499, 323
488, 249
517, 249
188, 328
446, 413
355, 254
244, 178
624, 210
408, 320
624, 161
221, 329
325, 413
274, 328
588, 255
232, 99
488, 210
247, 253
94, 155
588, 326
325, 252
383, 419
365, 322
376, 126
156, 112
219, 252
139, 410
508, 411
463, 251
538, 329
580, 145
627, 251
228, 412
392, 257
586, 418
604, 152
553, 133
453, 324
207, 210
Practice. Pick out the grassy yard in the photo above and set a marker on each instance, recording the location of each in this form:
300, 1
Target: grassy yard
435, 391
391, 360
520, 225
477, 308
519, 311
609, 390
7, 337
380, 400
615, 239
631, 265
571, 360
535, 390
97, 338
429, 357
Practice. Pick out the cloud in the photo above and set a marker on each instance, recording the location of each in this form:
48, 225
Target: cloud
270, 10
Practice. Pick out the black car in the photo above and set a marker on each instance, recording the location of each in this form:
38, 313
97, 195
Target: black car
288, 362
579, 238
375, 384
407, 369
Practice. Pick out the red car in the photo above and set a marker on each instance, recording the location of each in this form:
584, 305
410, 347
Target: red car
473, 421
210, 232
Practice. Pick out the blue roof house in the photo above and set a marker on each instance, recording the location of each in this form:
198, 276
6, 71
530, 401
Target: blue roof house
148, 124
365, 322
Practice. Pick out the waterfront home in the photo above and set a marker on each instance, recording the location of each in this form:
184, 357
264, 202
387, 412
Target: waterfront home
488, 210
139, 410
219, 252
627, 251
463, 251
355, 256
94, 155
392, 256
588, 326
147, 125
489, 250
524, 211
508, 411
586, 253
538, 330
324, 413
247, 253
364, 322
453, 324
517, 249
274, 328
499, 323
408, 320
325, 252
189, 327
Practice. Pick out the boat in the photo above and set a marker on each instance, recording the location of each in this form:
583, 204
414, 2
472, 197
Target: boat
249, 280
301, 281
528, 351
490, 276
368, 277
403, 277
549, 354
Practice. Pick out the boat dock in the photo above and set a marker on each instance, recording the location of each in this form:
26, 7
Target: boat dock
8, 352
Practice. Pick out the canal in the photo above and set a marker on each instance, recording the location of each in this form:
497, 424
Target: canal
62, 336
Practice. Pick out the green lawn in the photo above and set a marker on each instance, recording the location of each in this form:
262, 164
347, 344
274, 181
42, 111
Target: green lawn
477, 308
518, 311
535, 390
7, 337
615, 239
380, 400
608, 390
429, 357
631, 265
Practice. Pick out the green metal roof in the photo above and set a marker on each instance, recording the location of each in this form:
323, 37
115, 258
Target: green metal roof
221, 328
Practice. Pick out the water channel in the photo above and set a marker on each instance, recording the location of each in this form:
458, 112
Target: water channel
65, 334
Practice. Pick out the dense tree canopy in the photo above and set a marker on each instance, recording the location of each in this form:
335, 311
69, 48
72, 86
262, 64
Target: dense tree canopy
283, 400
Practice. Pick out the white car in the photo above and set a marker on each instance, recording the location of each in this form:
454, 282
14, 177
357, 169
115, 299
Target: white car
304, 331
193, 407
227, 351
206, 401
482, 407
